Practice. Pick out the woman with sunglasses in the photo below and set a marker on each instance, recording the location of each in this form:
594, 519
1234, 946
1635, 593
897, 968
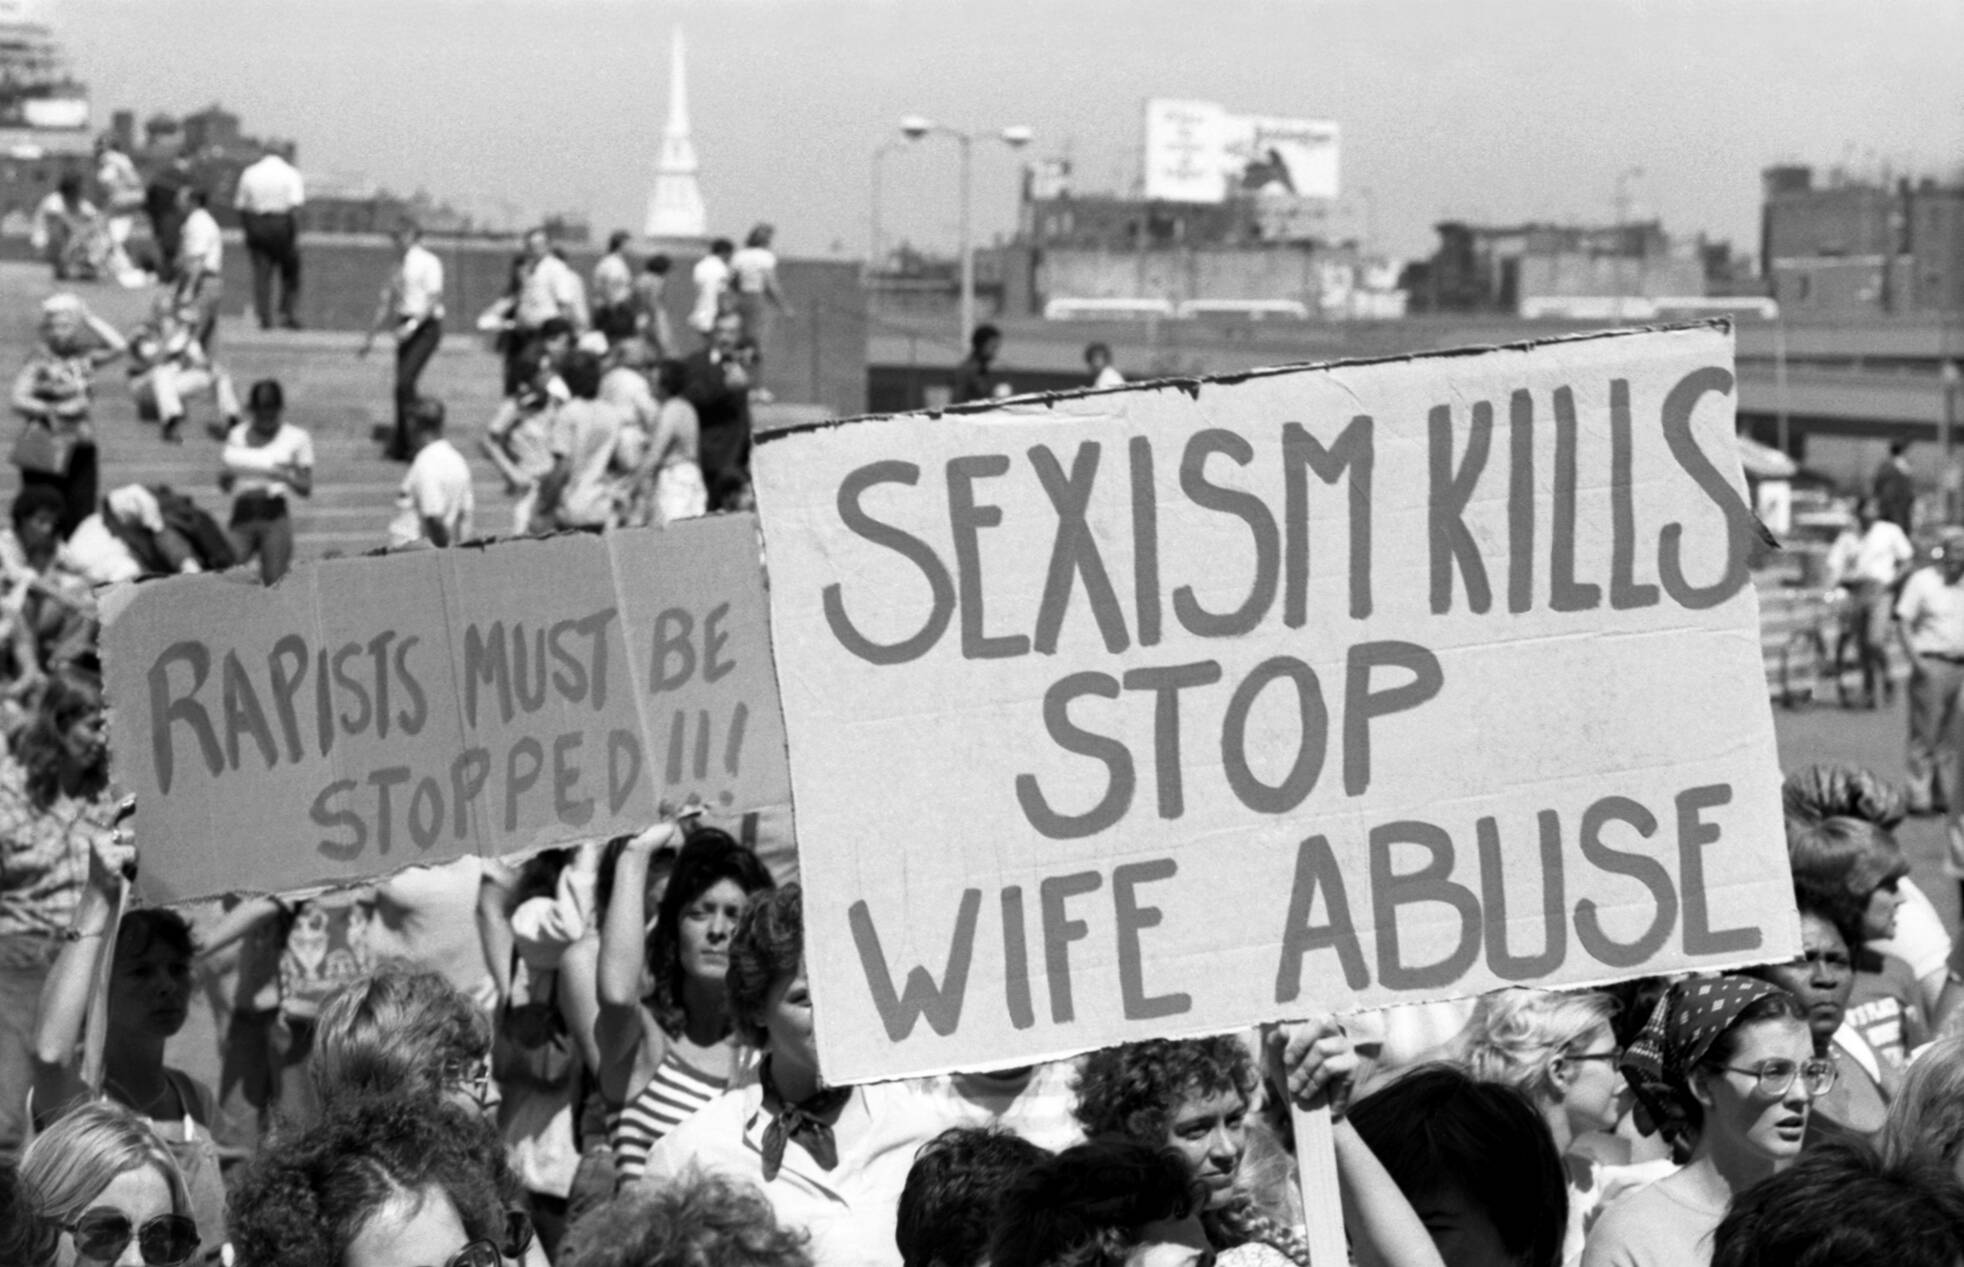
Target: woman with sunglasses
149, 997
107, 1182
394, 1181
1560, 1051
1725, 1069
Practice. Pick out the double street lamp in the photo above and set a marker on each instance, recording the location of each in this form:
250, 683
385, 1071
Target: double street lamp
914, 128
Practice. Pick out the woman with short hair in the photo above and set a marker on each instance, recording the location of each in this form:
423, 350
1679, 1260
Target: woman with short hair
101, 1175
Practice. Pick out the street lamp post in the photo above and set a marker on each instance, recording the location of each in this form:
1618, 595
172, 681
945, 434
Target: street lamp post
873, 243
914, 127
1623, 179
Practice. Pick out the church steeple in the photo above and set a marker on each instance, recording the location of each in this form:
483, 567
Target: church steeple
675, 207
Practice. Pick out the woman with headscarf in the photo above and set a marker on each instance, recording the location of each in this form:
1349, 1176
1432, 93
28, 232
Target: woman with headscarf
1725, 1069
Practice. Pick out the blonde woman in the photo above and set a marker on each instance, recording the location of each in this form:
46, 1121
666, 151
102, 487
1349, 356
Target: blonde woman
1559, 1050
1926, 1119
102, 1175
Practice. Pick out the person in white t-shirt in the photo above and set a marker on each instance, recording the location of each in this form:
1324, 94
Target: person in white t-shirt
587, 452
753, 280
1098, 363
436, 501
200, 265
266, 461
712, 278
1866, 561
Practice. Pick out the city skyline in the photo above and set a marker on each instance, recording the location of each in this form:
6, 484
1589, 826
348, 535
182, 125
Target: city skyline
1499, 112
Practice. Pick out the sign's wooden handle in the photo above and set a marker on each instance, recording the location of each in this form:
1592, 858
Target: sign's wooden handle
96, 1036
1316, 1166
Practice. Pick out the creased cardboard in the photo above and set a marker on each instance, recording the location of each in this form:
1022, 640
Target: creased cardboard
1178, 708
368, 714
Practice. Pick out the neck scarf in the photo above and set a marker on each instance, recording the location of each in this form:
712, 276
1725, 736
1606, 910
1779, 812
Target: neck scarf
806, 1122
1676, 1039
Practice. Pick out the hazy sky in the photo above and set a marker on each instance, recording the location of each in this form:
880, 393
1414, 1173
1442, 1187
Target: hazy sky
1497, 110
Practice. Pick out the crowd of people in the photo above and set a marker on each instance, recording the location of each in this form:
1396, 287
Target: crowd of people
610, 1063
602, 1055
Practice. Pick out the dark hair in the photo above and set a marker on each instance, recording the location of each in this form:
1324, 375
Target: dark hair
671, 377
618, 239
427, 415
581, 373
266, 394
307, 1195
1839, 862
721, 246
1898, 447
70, 184
1839, 1204
199, 195
767, 946
42, 745
982, 334
26, 1238
1777, 1006
1437, 1129
953, 1189
152, 926
1087, 1206
1097, 349
35, 499
660, 863
709, 856
1845, 791
1136, 1089
659, 264
698, 1220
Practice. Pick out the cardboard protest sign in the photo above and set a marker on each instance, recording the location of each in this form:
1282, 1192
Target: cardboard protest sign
1177, 708
366, 714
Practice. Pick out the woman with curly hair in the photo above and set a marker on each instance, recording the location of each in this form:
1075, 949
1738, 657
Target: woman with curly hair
701, 1219
663, 1033
103, 1178
380, 1182
1191, 1095
832, 1161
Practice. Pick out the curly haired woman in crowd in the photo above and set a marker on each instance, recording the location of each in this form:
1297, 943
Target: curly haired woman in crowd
1193, 1096
700, 1219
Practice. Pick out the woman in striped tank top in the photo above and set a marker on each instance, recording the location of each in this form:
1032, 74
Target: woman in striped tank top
664, 1034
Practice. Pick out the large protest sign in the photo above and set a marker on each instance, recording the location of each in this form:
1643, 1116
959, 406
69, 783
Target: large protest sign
1176, 708
366, 714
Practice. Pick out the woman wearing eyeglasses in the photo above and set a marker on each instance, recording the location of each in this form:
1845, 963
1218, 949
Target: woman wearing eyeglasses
103, 1177
1559, 1050
1725, 1069
398, 1181
1822, 979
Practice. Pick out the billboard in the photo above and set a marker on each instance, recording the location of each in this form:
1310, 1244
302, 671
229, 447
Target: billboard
1198, 151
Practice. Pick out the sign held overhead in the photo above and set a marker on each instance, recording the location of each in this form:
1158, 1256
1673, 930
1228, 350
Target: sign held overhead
1179, 708
369, 714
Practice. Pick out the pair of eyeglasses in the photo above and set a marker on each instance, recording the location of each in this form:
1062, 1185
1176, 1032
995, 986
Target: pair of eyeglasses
484, 1252
479, 1253
1613, 1055
473, 1080
103, 1234
1776, 1077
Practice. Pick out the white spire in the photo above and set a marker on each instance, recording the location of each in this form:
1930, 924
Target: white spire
675, 207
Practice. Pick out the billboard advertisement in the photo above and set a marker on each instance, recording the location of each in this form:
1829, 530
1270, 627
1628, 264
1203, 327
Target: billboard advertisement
1199, 151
